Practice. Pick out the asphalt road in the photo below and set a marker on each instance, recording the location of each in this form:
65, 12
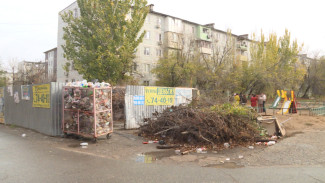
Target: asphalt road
26, 160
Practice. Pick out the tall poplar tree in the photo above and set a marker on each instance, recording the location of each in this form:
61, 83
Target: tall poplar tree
101, 42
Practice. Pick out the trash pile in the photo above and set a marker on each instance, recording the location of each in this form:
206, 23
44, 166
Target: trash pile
79, 109
209, 127
85, 84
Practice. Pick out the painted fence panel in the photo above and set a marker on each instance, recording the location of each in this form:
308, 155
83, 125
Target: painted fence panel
138, 105
2, 104
22, 113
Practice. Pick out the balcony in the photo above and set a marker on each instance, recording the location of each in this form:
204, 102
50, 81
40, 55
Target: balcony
242, 47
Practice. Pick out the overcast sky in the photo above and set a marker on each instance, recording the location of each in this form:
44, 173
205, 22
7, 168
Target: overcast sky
28, 28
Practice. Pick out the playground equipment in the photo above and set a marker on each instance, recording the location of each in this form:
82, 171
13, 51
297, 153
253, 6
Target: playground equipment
276, 101
289, 105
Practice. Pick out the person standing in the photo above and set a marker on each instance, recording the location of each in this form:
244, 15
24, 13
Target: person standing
264, 100
253, 101
244, 100
237, 98
260, 103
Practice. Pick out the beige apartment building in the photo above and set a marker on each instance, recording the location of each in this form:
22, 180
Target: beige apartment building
165, 33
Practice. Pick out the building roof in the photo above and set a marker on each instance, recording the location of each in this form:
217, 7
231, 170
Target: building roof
162, 14
51, 50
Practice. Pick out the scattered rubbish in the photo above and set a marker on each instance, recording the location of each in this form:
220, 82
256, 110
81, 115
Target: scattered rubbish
265, 140
150, 142
250, 147
144, 142
222, 162
201, 150
240, 157
227, 159
178, 152
262, 133
226, 145
274, 137
187, 152
23, 135
270, 143
84, 145
258, 143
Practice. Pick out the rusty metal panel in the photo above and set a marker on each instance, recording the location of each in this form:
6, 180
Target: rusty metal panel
136, 110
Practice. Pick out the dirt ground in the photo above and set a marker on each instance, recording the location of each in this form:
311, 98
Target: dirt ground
303, 145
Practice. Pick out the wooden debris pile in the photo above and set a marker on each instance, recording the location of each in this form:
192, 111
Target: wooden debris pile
197, 127
118, 103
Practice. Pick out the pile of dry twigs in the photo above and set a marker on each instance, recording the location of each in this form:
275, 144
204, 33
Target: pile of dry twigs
118, 103
210, 126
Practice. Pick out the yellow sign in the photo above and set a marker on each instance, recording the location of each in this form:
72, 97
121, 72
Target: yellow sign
41, 96
159, 96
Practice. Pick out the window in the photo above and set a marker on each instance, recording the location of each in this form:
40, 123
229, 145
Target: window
159, 21
158, 52
147, 36
159, 37
205, 30
146, 51
146, 83
75, 13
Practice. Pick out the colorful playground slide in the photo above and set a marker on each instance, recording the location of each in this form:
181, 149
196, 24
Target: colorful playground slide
276, 102
285, 107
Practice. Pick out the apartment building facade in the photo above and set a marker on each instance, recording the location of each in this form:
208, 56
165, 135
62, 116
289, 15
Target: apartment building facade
31, 72
164, 35
51, 60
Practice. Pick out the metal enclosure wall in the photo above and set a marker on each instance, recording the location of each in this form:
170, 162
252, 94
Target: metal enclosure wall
43, 120
134, 114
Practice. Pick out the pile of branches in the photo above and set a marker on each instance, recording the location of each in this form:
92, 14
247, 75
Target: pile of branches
118, 103
192, 126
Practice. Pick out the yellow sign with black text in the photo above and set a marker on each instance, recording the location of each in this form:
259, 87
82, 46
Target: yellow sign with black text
159, 96
41, 96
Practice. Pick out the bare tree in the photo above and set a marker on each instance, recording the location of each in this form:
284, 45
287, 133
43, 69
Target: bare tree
13, 67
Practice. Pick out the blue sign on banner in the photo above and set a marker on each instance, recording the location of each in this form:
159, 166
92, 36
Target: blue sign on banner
138, 100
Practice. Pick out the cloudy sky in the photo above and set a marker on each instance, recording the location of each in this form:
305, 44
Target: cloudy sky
28, 28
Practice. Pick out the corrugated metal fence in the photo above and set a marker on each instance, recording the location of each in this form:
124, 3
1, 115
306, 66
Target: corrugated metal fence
22, 113
136, 109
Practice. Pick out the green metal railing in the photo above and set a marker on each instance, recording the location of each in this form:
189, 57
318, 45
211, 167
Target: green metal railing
319, 111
